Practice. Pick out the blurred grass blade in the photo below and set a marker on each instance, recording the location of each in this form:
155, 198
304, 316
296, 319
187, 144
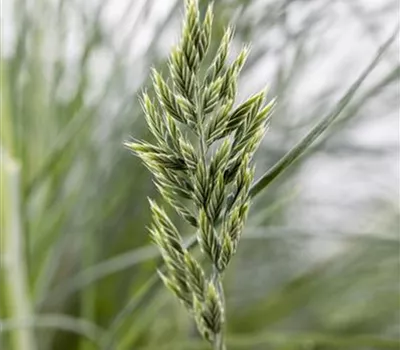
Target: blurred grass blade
13, 252
290, 340
62, 322
317, 339
298, 233
313, 135
142, 294
99, 271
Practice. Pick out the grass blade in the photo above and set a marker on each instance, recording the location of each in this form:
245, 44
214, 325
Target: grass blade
62, 322
296, 152
13, 252
99, 271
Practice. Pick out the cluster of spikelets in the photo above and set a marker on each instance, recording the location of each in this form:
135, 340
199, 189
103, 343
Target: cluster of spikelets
194, 115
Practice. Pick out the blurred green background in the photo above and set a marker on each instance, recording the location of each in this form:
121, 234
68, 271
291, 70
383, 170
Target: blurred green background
318, 265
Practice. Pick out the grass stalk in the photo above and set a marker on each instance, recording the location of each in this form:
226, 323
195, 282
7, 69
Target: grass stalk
16, 276
219, 343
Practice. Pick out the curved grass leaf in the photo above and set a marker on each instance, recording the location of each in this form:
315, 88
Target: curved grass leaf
297, 151
62, 322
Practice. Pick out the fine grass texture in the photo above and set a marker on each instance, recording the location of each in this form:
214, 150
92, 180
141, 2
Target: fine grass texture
77, 271
201, 161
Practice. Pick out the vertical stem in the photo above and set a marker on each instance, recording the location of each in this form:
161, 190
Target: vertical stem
13, 243
219, 343
203, 147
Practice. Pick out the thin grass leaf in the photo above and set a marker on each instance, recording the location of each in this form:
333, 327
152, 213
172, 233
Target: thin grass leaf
97, 272
297, 151
57, 321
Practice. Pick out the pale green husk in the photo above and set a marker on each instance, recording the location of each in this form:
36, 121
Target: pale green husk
207, 181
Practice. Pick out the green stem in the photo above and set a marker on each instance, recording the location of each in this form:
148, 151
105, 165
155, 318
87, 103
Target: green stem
219, 342
203, 146
16, 276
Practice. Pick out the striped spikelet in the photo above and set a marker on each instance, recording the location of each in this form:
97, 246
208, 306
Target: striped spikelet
209, 191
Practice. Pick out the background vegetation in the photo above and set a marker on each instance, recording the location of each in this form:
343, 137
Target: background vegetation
318, 266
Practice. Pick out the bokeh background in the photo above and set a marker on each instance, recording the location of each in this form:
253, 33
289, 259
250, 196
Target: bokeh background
318, 265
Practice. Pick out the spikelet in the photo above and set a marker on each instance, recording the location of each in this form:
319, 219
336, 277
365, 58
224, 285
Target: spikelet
210, 192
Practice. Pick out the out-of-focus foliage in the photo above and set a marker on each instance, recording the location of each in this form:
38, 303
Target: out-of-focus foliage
318, 265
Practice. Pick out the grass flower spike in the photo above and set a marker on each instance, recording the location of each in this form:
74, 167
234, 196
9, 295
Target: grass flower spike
201, 159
